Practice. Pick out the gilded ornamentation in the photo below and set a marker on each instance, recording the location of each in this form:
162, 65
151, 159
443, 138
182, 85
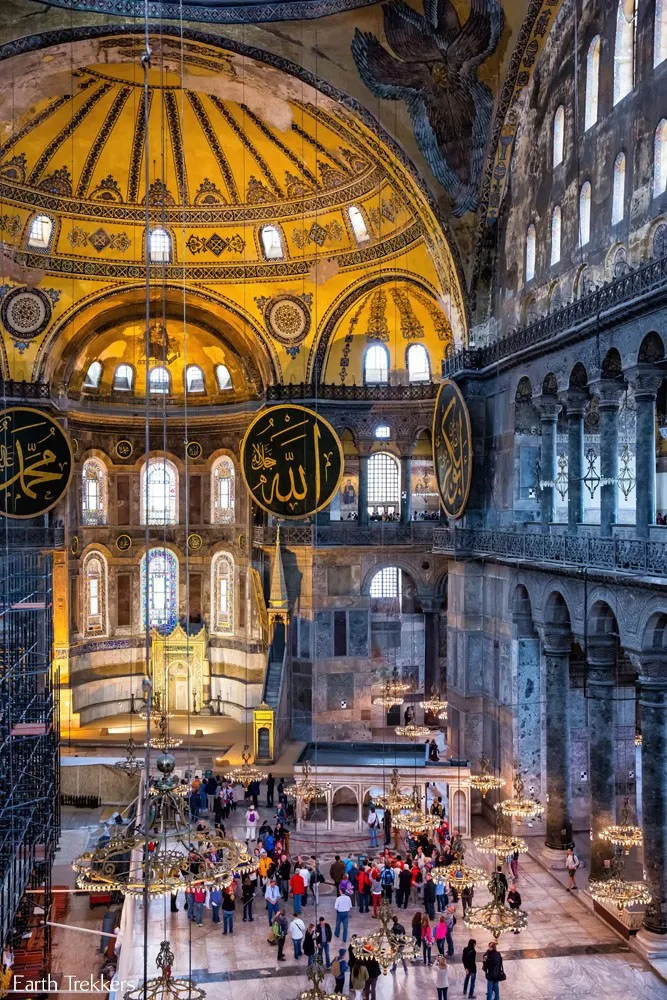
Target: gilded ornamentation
295, 187
378, 328
14, 169
59, 182
452, 449
355, 162
443, 327
411, 328
347, 344
124, 449
209, 193
37, 462
158, 195
388, 209
258, 193
25, 312
107, 190
99, 240
10, 224
287, 319
318, 234
331, 178
215, 244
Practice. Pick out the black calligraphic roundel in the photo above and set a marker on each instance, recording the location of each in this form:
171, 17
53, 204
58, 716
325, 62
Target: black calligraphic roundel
36, 462
292, 461
452, 449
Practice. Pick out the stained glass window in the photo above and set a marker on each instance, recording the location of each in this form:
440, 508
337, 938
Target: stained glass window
559, 136
592, 83
618, 193
95, 578
419, 368
159, 590
222, 593
41, 230
194, 379
624, 49
660, 159
93, 492
93, 375
386, 582
383, 484
660, 35
272, 244
555, 235
358, 224
585, 214
159, 492
223, 377
222, 491
530, 253
159, 243
376, 364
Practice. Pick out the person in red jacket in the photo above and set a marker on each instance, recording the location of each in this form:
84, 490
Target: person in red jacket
297, 888
364, 890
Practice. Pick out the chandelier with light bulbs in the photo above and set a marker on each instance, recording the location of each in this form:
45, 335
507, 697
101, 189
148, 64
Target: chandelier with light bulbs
520, 807
500, 844
305, 789
496, 917
130, 764
624, 834
393, 691
384, 945
395, 800
415, 821
316, 973
459, 875
485, 781
246, 773
413, 732
165, 986
435, 705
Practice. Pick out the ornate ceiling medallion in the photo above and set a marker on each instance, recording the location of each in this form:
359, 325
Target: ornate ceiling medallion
287, 319
25, 312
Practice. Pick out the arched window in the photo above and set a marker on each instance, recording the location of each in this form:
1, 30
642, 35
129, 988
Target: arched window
624, 49
123, 378
618, 192
592, 83
222, 491
158, 380
530, 253
159, 492
93, 492
384, 492
358, 224
559, 136
93, 375
376, 364
41, 231
194, 379
159, 246
272, 244
223, 378
159, 590
222, 593
419, 367
660, 159
555, 235
660, 33
383, 432
659, 245
95, 599
386, 583
585, 214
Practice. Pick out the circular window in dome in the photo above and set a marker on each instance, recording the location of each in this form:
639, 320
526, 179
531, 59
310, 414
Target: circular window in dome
26, 312
287, 319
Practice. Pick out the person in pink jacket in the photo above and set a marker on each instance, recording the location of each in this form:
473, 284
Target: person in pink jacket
441, 934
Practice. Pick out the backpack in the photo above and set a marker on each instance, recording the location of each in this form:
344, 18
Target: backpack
335, 968
387, 877
251, 817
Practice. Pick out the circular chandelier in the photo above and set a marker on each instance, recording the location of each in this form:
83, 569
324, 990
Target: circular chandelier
500, 844
520, 807
414, 821
485, 781
246, 773
618, 891
623, 834
386, 947
395, 800
393, 690
163, 741
496, 918
305, 789
459, 875
130, 764
316, 973
413, 732
435, 705
164, 986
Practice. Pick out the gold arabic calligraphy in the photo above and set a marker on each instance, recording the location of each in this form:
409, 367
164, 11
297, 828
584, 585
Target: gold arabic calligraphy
451, 427
30, 459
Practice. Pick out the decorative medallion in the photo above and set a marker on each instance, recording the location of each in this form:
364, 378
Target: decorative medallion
124, 449
287, 319
26, 312
194, 542
36, 462
193, 450
452, 449
292, 461
123, 543
74, 545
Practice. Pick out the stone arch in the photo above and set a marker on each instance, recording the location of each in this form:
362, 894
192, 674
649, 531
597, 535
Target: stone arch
344, 805
550, 385
602, 620
612, 366
526, 418
651, 349
386, 561
521, 605
578, 377
654, 637
557, 611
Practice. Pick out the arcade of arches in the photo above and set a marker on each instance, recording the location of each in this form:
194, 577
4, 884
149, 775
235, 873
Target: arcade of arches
338, 204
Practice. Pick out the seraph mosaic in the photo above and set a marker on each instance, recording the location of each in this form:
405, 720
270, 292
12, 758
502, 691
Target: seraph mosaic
432, 66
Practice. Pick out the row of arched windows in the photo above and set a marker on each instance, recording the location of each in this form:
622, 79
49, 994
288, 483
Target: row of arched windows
585, 196
40, 234
159, 378
158, 490
159, 573
376, 364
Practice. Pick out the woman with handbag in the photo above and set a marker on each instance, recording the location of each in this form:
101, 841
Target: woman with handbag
492, 964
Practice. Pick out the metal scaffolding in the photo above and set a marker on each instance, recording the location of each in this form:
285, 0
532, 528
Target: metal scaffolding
29, 749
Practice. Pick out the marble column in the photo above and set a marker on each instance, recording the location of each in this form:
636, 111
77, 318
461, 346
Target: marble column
609, 393
527, 718
431, 611
549, 408
601, 661
576, 401
406, 489
645, 381
557, 642
652, 690
363, 489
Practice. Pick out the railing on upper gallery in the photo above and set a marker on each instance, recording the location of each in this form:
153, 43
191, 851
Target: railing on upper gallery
349, 533
352, 393
630, 555
647, 278
10, 389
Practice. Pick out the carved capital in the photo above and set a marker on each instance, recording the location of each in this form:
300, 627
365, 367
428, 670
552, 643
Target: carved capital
575, 402
548, 408
601, 652
645, 381
557, 640
609, 392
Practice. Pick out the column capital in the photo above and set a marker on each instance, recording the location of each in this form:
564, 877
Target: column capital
575, 401
602, 650
364, 449
645, 381
557, 640
548, 408
609, 392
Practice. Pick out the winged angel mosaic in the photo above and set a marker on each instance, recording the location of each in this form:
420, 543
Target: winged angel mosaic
433, 68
